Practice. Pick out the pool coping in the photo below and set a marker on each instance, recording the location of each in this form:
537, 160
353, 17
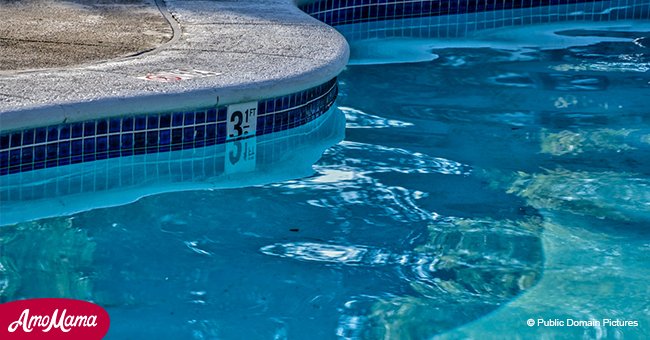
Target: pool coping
242, 50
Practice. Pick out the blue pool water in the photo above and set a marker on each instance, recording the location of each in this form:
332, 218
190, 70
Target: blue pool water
472, 192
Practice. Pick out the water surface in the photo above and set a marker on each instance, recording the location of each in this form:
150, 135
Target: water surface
471, 193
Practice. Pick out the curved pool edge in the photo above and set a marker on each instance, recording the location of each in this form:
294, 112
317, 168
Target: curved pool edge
68, 190
268, 55
232, 52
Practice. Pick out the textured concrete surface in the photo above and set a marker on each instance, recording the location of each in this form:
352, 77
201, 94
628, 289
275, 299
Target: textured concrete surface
47, 33
255, 49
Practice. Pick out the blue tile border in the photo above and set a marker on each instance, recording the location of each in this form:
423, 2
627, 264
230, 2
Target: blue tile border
71, 143
201, 165
341, 12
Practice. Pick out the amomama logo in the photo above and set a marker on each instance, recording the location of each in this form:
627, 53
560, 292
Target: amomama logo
52, 319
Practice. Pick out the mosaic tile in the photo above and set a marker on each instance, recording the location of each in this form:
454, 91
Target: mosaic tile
71, 143
350, 12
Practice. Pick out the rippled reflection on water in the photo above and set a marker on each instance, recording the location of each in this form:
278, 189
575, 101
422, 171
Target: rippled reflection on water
566, 131
472, 192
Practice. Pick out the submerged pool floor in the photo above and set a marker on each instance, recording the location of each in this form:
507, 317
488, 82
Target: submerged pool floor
471, 193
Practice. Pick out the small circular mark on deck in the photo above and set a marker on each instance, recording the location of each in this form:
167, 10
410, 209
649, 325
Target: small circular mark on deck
162, 78
178, 75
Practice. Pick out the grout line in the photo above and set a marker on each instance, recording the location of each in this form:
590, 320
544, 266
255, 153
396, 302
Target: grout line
158, 129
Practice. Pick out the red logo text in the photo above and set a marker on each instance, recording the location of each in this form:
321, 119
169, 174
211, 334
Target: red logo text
53, 319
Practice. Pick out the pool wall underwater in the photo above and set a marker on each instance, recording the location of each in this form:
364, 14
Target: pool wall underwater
268, 158
364, 19
342, 12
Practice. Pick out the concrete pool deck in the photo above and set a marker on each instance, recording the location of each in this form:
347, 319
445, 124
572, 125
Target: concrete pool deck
220, 52
38, 34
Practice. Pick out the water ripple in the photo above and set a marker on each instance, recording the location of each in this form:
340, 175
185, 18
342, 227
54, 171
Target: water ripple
348, 171
595, 140
194, 246
378, 158
469, 264
357, 119
605, 67
319, 252
49, 257
612, 195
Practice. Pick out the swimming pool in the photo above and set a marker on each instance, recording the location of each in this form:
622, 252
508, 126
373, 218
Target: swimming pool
473, 191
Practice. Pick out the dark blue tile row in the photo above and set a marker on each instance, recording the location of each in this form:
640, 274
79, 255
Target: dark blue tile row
52, 146
339, 12
204, 163
293, 100
294, 117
